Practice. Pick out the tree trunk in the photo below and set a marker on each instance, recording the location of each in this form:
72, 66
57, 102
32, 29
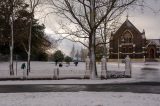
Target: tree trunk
11, 47
105, 40
92, 41
92, 59
29, 47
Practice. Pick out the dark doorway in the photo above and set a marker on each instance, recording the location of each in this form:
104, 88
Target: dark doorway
152, 53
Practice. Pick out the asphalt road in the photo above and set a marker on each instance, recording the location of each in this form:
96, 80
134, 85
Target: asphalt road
139, 87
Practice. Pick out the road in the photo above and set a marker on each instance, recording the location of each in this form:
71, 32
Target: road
139, 87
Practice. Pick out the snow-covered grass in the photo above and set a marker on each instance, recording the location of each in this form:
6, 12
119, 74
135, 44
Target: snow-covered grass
79, 99
45, 69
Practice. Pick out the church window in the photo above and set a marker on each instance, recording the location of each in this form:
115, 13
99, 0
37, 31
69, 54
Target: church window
127, 36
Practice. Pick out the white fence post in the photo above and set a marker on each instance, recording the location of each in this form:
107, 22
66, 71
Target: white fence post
56, 73
87, 71
128, 67
103, 67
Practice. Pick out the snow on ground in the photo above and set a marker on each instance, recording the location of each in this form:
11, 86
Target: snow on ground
79, 99
45, 69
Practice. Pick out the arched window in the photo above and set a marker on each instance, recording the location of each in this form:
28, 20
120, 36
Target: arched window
127, 37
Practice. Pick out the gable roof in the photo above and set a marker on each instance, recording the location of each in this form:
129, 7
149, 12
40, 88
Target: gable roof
154, 41
128, 24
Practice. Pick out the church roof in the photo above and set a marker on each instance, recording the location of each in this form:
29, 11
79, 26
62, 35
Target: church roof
128, 24
154, 41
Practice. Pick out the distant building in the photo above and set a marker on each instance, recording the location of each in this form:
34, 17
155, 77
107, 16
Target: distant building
128, 40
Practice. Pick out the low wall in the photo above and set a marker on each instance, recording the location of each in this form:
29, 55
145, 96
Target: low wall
133, 60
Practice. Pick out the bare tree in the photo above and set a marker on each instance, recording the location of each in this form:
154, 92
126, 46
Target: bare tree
33, 4
12, 4
104, 32
85, 18
12, 39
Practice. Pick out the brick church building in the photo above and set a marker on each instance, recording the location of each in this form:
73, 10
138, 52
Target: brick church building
128, 40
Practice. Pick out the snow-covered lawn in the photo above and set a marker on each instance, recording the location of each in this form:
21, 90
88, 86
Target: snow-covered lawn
79, 99
45, 69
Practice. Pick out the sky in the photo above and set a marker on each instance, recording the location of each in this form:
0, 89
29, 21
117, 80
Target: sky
143, 18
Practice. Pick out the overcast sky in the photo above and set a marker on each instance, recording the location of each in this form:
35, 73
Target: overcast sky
142, 19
